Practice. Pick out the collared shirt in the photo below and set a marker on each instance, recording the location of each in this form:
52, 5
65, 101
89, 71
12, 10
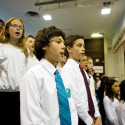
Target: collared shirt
31, 61
110, 110
12, 67
72, 75
92, 84
38, 95
120, 111
59, 68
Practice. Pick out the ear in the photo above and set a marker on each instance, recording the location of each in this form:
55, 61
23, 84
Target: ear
68, 49
44, 48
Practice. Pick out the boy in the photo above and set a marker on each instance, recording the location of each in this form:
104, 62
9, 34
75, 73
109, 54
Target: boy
40, 102
84, 62
71, 74
32, 60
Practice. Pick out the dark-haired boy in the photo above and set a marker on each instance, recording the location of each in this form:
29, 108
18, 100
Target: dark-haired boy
39, 88
72, 75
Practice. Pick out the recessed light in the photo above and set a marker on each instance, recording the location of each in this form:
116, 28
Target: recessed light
96, 35
47, 17
106, 11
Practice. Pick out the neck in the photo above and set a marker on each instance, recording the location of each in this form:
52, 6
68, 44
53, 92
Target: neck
61, 64
31, 54
114, 96
53, 62
13, 42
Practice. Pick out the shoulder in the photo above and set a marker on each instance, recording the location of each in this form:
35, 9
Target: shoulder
106, 98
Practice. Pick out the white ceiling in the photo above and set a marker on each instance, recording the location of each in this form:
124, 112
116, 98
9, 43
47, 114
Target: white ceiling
77, 20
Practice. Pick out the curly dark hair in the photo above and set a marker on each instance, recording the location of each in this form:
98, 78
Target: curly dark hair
70, 42
122, 90
43, 37
109, 92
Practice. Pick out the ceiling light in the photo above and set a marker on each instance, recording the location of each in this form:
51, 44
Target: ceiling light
94, 35
106, 11
47, 17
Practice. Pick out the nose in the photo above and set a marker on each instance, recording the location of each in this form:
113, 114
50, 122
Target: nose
63, 46
83, 48
18, 28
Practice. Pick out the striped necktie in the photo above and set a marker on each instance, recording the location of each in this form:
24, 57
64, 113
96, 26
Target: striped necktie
65, 116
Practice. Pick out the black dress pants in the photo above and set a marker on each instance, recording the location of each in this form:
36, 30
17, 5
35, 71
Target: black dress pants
9, 108
80, 122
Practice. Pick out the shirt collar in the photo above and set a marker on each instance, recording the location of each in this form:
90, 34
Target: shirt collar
48, 66
73, 62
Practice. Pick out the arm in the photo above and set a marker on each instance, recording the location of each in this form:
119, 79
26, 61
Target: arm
110, 111
30, 101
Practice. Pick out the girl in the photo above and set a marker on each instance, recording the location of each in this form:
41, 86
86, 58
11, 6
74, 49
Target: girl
120, 109
12, 65
110, 102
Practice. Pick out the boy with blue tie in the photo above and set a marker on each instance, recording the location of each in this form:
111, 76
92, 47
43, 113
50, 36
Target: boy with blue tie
44, 100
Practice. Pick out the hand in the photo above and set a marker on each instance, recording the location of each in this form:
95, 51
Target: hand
93, 123
98, 121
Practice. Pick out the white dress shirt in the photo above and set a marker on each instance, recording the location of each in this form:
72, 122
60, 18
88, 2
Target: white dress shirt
92, 84
109, 107
120, 111
12, 67
38, 95
59, 68
31, 61
72, 75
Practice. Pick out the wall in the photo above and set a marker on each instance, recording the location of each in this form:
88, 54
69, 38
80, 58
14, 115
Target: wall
115, 62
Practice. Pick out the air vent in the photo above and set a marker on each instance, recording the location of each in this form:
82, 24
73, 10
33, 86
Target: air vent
32, 14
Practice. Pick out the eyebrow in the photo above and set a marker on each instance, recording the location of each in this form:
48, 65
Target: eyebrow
57, 39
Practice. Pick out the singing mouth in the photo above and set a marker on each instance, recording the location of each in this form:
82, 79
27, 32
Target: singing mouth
18, 33
62, 53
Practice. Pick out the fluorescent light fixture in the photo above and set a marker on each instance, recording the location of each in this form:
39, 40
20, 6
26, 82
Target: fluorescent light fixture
47, 17
94, 35
106, 11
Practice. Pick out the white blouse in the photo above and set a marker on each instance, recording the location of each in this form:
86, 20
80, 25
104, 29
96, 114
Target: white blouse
109, 106
12, 67
72, 75
38, 95
120, 111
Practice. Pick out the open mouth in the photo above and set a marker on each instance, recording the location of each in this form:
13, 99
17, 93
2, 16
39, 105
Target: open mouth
17, 33
62, 53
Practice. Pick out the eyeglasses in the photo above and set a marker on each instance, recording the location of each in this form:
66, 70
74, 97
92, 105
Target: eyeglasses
15, 26
84, 60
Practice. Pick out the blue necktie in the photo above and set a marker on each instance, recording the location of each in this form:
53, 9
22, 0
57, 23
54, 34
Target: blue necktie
65, 116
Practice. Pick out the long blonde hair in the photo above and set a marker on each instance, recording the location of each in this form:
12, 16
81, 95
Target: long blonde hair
4, 36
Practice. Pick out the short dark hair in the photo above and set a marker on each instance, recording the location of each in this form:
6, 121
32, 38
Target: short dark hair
30, 36
70, 42
43, 37
2, 22
122, 90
